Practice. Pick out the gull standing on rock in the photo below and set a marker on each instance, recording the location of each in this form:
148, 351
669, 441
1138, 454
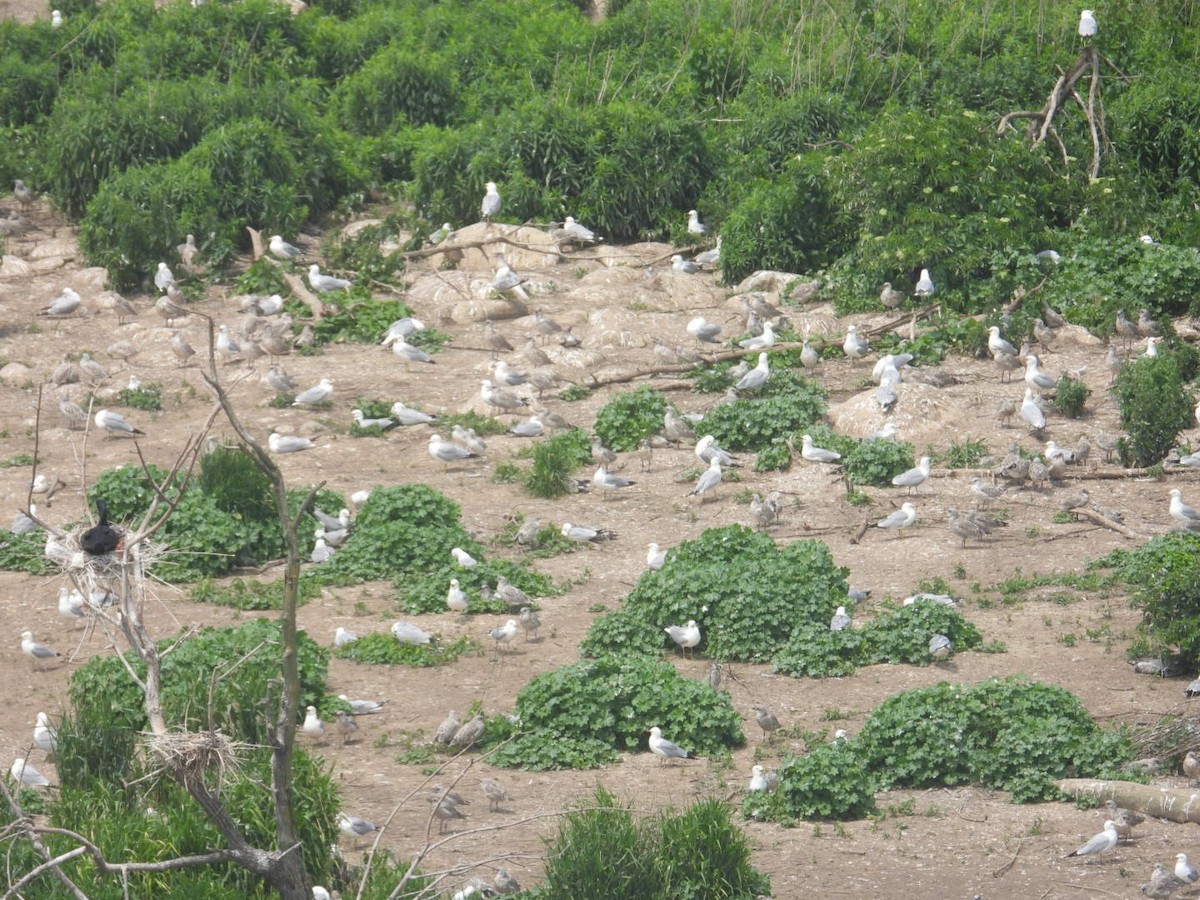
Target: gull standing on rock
686, 266
704, 331
925, 286
663, 748
507, 280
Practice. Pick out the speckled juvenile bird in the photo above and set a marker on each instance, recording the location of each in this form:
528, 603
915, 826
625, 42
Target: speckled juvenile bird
766, 720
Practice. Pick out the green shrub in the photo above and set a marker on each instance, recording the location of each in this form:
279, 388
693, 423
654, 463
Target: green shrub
876, 462
1070, 395
395, 84
610, 704
601, 853
1163, 576
24, 553
362, 322
629, 417
256, 596
555, 460
383, 649
746, 594
831, 782
1154, 407
426, 592
1013, 734
789, 404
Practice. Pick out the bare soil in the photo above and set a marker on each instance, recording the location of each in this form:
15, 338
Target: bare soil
945, 843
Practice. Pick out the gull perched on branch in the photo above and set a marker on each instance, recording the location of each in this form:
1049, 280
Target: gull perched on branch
1087, 25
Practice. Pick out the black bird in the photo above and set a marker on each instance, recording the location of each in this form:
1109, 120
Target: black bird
101, 538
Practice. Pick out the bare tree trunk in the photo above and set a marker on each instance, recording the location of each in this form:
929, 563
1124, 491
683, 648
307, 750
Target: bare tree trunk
1162, 803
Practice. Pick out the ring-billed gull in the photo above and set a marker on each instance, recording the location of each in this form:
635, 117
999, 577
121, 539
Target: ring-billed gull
469, 439
440, 234
500, 398
1184, 870
114, 423
998, 345
463, 558
321, 551
813, 453
456, 598
855, 346
766, 719
411, 352
449, 727
319, 893
756, 377
363, 707
889, 296
504, 633
507, 280
491, 201
709, 257
342, 637
530, 428
70, 604
758, 780
704, 331
494, 791
163, 276
663, 748
686, 266
530, 623
694, 226
362, 421
356, 827
44, 736
36, 652
925, 286
609, 483
407, 633
762, 341
655, 558
1099, 843
402, 328
1053, 452
685, 636
914, 477
314, 395
406, 415
469, 734
446, 452
899, 520
577, 232
840, 620
709, 480
62, 305
1031, 411
325, 283
281, 248
583, 533
288, 443
1087, 25
23, 772
507, 375
313, 726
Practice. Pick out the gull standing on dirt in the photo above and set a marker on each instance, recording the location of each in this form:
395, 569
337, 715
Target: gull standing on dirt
24, 773
914, 477
997, 345
530, 623
62, 305
661, 747
446, 731
288, 443
163, 277
899, 520
706, 450
325, 283
504, 633
315, 395
313, 726
610, 483
446, 452
809, 358
889, 296
468, 734
456, 598
814, 453
44, 737
1034, 377
363, 707
709, 479
1031, 412
925, 286
766, 719
281, 248
494, 791
1181, 511
491, 202
407, 633
756, 377
346, 726
1184, 870
500, 398
406, 415
354, 826
582, 533
694, 225
854, 346
685, 636
1099, 843
655, 558
115, 423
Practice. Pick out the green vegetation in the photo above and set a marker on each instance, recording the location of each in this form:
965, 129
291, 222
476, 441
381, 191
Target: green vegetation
787, 405
146, 396
580, 715
24, 553
627, 418
384, 649
1070, 395
601, 852
1155, 408
555, 459
250, 595
876, 462
1009, 734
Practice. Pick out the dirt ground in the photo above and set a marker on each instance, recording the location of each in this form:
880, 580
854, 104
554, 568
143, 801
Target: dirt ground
945, 843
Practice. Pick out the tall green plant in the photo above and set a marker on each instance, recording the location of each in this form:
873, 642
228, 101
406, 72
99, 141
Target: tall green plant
1154, 406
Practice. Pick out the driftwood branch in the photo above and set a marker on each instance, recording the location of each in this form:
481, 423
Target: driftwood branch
1162, 803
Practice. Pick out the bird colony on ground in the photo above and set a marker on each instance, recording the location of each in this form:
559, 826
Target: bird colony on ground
946, 511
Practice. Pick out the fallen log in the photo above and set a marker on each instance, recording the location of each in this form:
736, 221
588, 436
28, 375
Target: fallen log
1162, 803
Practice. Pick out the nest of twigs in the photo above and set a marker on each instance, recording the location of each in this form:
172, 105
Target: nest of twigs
195, 753
1169, 739
106, 571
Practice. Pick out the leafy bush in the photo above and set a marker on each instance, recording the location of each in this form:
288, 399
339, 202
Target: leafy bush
601, 852
146, 396
629, 417
404, 530
610, 704
1154, 408
395, 84
251, 595
789, 404
24, 553
1164, 580
554, 461
746, 594
426, 593
876, 462
362, 322
102, 691
1070, 395
831, 782
384, 649
1013, 734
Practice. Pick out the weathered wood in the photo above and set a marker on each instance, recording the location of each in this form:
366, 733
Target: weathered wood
1092, 516
1162, 803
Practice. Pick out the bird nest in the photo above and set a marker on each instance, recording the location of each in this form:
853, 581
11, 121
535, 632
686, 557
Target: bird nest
193, 753
105, 571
